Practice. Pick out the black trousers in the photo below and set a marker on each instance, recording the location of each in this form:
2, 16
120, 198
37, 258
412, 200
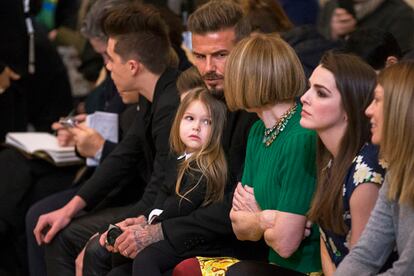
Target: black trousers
157, 259
59, 256
24, 181
66, 246
36, 254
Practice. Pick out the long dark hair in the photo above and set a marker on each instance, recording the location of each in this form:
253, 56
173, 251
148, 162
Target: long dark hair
356, 82
210, 160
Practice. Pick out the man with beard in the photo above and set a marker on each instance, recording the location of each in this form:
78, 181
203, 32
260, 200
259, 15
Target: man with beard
206, 231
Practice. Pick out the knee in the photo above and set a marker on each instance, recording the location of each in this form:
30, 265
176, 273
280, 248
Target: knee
94, 251
188, 267
32, 216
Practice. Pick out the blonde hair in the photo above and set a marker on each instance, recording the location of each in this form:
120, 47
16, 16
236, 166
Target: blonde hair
262, 70
397, 142
210, 160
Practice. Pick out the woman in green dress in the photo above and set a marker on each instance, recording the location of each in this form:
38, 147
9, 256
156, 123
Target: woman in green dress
264, 75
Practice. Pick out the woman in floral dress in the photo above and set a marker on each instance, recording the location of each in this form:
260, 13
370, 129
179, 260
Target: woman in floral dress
349, 174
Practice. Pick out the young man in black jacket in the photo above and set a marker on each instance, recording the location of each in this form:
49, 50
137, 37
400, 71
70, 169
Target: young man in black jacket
138, 52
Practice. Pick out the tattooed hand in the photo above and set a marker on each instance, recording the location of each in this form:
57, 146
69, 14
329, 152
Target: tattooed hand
136, 237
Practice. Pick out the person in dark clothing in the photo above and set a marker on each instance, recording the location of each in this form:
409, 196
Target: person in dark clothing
394, 16
42, 93
376, 47
267, 16
206, 231
144, 149
197, 181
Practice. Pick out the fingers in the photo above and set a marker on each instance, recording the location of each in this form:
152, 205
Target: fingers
51, 233
38, 230
121, 239
64, 137
81, 117
237, 205
249, 189
102, 239
57, 126
13, 75
126, 244
83, 127
342, 23
308, 229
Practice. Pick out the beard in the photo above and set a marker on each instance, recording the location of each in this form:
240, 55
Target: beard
214, 90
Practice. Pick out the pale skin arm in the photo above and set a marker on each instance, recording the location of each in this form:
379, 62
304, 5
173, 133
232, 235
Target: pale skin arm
362, 202
286, 233
57, 220
246, 225
328, 267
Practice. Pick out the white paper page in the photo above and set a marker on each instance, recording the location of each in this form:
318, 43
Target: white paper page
106, 124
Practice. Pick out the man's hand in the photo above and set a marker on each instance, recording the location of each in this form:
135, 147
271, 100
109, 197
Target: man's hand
88, 140
6, 76
244, 200
49, 225
64, 136
135, 238
141, 220
342, 23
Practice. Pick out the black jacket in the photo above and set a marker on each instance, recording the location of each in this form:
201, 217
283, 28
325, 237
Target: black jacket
140, 157
207, 230
193, 186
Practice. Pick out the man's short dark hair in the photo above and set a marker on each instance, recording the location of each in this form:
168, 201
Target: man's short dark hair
214, 16
140, 33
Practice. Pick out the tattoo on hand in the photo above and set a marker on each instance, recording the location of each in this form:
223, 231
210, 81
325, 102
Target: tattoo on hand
148, 235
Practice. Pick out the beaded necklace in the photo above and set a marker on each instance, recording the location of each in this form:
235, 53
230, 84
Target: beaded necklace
271, 133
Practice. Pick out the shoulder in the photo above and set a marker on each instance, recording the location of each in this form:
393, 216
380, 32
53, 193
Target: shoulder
166, 94
366, 167
299, 138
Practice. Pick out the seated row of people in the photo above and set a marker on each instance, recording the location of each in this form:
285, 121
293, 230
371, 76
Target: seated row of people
188, 208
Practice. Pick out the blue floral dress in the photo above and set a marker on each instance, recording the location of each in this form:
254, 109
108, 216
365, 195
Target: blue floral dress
365, 168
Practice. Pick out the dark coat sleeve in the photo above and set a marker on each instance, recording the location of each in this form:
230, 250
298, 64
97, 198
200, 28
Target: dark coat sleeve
144, 150
163, 117
122, 161
193, 187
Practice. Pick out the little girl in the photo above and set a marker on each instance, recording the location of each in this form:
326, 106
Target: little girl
199, 176
196, 178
